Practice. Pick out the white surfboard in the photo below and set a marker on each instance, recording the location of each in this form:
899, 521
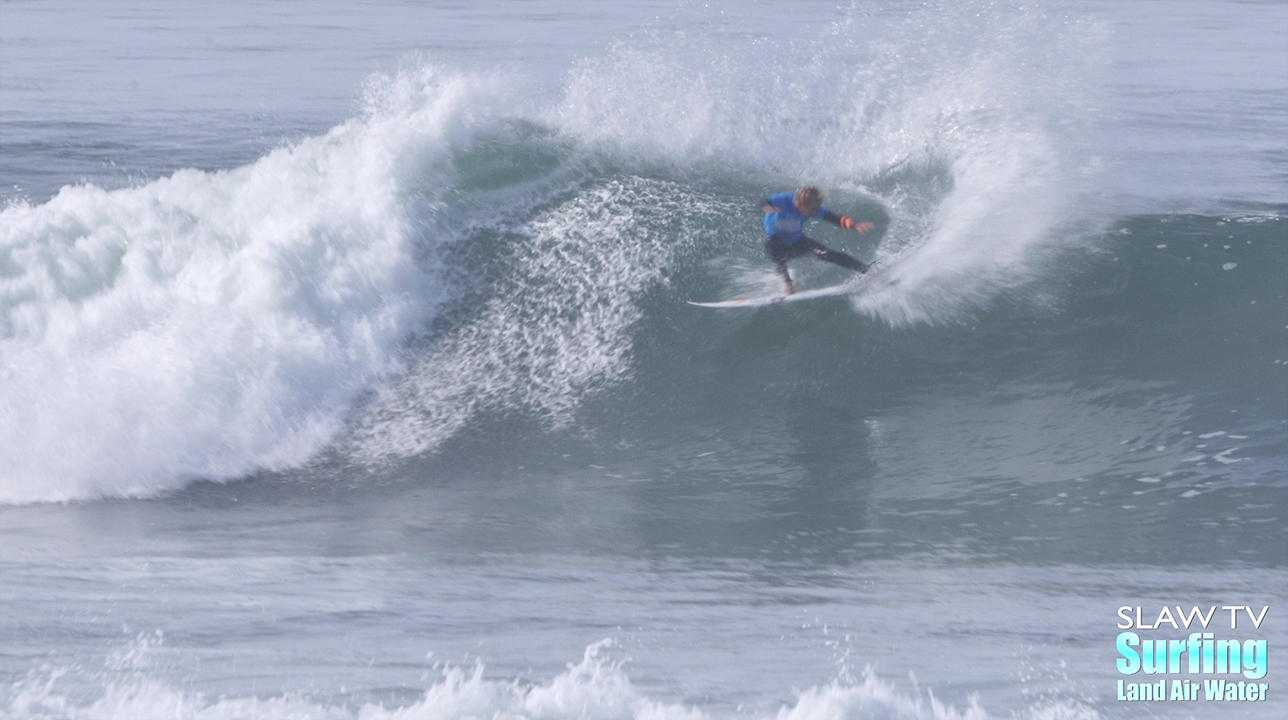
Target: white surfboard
842, 289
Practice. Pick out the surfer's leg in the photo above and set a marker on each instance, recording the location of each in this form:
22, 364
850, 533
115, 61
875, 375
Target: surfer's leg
836, 257
780, 254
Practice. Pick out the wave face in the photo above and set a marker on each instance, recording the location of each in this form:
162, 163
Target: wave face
461, 258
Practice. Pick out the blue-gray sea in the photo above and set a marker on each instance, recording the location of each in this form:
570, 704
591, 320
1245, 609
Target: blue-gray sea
347, 368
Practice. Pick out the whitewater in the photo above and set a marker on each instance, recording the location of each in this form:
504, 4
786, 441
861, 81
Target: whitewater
347, 367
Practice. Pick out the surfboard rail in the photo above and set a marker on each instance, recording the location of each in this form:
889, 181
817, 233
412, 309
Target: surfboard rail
845, 288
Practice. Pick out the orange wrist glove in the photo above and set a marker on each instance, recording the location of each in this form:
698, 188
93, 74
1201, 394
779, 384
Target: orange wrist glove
858, 227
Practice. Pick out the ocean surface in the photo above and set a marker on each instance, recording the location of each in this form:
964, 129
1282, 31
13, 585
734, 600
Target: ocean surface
347, 368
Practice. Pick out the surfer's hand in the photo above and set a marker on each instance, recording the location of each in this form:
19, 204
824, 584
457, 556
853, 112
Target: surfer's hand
860, 227
768, 208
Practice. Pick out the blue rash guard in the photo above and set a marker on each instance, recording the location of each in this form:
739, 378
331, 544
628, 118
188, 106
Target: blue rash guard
788, 224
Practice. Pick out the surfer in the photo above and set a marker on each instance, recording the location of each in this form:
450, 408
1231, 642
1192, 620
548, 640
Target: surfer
785, 217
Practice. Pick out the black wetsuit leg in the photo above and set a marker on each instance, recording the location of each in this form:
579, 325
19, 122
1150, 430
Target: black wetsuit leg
836, 257
780, 253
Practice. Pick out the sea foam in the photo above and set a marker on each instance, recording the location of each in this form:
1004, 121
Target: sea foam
597, 687
209, 324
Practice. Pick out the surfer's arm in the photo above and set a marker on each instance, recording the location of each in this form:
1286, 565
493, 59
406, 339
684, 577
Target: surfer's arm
844, 221
782, 202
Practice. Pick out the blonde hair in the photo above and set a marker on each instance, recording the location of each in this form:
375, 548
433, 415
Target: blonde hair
809, 196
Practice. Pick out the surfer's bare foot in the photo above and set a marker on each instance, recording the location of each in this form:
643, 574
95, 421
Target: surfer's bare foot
788, 289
